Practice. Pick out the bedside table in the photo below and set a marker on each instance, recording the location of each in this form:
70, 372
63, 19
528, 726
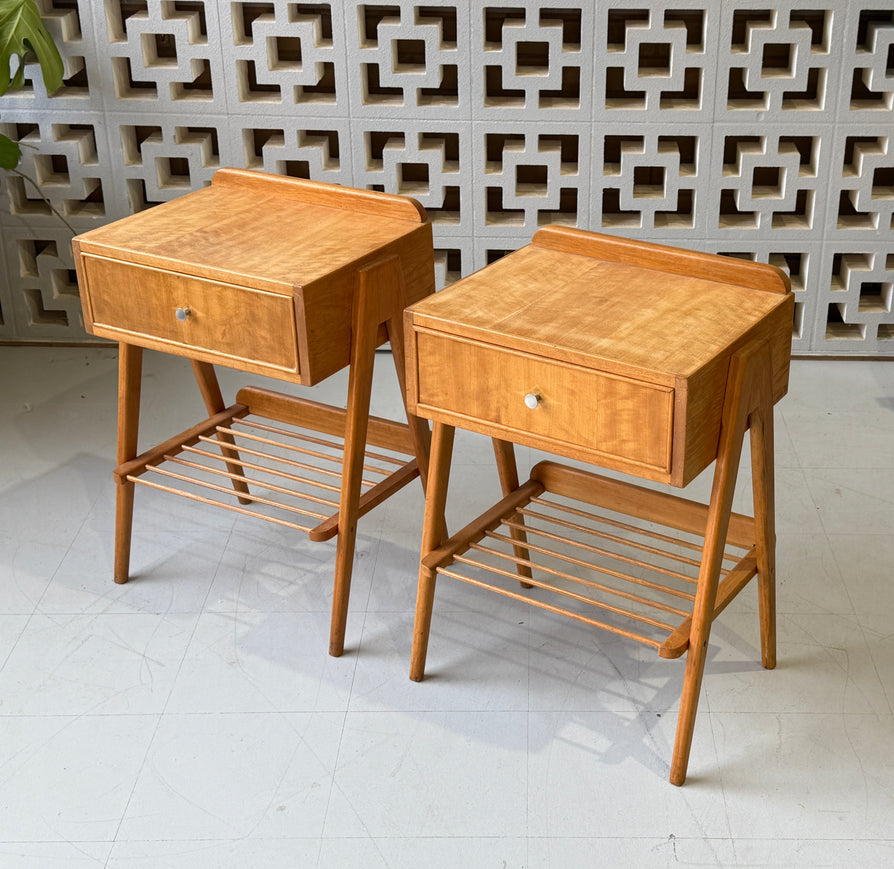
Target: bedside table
277, 276
633, 357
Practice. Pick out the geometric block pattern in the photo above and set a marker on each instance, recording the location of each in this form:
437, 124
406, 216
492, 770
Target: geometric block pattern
754, 130
406, 60
423, 161
285, 57
656, 58
858, 302
532, 57
650, 181
164, 53
529, 177
769, 179
863, 193
868, 73
779, 58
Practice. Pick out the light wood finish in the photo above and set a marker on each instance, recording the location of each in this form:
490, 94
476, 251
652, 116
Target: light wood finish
504, 453
130, 372
279, 276
214, 403
642, 359
432, 535
265, 265
627, 326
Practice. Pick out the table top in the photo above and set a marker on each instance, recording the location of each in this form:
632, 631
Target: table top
602, 349
261, 231
589, 307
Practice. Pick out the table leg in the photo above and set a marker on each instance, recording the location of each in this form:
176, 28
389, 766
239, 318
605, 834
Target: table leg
738, 401
378, 299
214, 403
504, 453
130, 369
762, 471
435, 502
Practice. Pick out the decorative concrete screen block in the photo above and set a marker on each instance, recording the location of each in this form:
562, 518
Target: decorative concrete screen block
649, 179
855, 307
407, 60
529, 176
868, 74
780, 58
658, 59
752, 129
862, 196
163, 55
285, 58
769, 179
532, 59
290, 146
424, 160
165, 156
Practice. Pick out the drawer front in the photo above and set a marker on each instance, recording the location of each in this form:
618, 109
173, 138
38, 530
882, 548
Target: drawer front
576, 407
129, 302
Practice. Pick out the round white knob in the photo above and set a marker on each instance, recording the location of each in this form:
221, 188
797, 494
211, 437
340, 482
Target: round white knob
532, 399
182, 314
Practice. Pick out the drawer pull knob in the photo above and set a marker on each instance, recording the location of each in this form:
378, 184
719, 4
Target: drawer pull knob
182, 314
532, 399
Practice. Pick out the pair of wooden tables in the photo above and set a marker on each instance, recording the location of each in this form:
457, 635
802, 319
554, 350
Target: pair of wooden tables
632, 357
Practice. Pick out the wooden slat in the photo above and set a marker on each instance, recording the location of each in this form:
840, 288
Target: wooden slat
476, 529
632, 500
589, 583
550, 607
336, 460
608, 553
625, 526
579, 562
564, 592
289, 463
270, 487
255, 498
337, 445
370, 498
192, 496
172, 445
303, 412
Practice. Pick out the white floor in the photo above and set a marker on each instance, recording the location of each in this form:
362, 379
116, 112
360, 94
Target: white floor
192, 718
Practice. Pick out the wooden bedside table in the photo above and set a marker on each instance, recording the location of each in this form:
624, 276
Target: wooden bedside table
633, 357
277, 276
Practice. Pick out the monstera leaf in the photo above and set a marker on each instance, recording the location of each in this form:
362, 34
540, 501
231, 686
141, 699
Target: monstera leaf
23, 36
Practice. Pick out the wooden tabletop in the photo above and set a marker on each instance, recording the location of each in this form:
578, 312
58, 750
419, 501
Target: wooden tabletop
596, 312
255, 231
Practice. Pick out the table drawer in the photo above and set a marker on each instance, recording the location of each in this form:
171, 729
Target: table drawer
137, 304
627, 419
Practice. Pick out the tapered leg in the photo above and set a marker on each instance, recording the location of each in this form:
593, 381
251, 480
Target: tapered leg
435, 501
359, 389
419, 429
762, 470
214, 403
735, 412
504, 453
130, 368
378, 299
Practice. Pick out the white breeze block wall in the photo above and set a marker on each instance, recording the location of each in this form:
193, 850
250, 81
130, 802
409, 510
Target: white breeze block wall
752, 129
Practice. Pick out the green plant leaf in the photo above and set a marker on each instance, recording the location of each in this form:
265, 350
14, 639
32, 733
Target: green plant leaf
23, 36
9, 153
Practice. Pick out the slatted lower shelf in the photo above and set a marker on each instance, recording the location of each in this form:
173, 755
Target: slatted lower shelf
280, 471
617, 572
